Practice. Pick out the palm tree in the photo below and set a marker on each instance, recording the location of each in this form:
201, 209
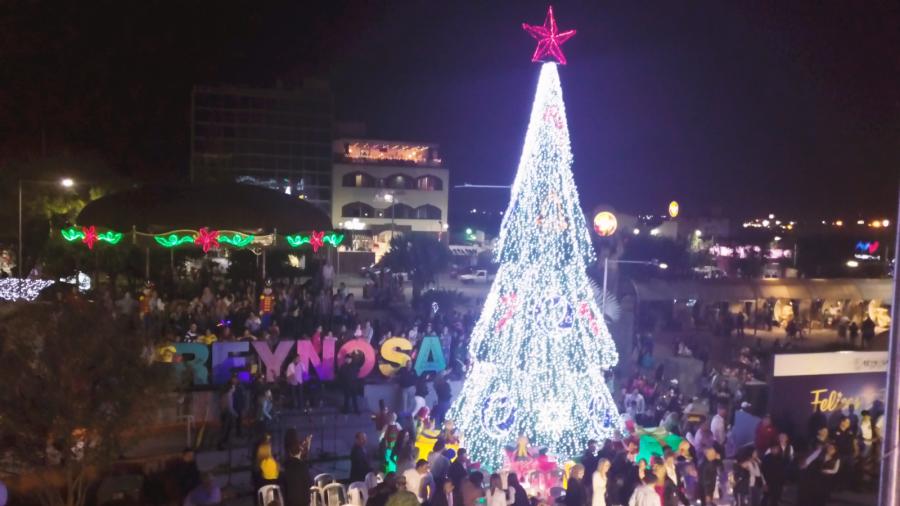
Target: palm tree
420, 255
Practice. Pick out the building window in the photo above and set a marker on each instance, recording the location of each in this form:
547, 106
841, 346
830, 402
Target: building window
359, 180
429, 183
399, 211
357, 210
400, 182
428, 212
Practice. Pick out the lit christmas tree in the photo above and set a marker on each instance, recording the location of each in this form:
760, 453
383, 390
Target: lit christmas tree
540, 347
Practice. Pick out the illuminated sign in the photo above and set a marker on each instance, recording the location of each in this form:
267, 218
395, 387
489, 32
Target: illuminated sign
866, 250
217, 362
605, 223
673, 209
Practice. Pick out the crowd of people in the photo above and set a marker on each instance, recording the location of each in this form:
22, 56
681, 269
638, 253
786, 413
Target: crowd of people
725, 450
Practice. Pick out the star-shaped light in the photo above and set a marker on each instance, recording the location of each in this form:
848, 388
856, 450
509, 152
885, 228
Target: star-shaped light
315, 240
549, 39
90, 236
207, 239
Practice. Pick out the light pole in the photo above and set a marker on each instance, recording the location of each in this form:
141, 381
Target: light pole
606, 262
65, 183
889, 492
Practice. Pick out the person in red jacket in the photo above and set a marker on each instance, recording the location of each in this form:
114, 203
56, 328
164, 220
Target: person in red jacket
766, 434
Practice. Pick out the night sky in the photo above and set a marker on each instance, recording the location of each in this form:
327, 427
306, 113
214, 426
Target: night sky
737, 107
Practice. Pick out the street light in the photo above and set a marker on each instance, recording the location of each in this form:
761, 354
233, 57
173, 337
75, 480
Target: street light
65, 183
606, 261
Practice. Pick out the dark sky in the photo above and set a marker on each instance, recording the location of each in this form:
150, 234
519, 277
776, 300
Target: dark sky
751, 107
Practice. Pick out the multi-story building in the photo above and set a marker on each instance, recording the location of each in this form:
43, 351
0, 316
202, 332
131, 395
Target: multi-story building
277, 138
389, 186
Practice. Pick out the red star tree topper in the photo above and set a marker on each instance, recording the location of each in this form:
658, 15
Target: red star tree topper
549, 39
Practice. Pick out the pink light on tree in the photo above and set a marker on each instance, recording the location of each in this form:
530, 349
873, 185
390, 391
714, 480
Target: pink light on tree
207, 239
549, 39
90, 236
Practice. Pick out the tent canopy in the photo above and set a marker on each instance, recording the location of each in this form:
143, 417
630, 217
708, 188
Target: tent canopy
224, 206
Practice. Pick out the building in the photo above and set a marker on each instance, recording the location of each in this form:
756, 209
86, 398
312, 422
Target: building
277, 138
385, 187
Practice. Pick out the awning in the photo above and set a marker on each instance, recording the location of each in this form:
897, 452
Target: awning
782, 289
736, 290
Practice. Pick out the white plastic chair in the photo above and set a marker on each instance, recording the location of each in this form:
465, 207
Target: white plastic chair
268, 495
315, 496
358, 493
324, 479
371, 481
335, 494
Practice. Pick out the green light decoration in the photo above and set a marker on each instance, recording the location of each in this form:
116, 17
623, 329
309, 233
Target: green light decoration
110, 237
316, 239
297, 240
172, 240
334, 239
72, 234
237, 239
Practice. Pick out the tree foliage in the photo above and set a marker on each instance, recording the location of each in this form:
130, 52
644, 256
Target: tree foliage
420, 255
77, 389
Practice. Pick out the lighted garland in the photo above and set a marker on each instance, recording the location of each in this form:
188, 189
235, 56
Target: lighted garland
89, 235
13, 289
541, 346
173, 239
205, 238
316, 239
237, 239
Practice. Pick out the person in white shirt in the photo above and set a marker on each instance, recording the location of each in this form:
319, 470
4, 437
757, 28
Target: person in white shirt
718, 426
645, 495
419, 481
495, 495
294, 378
598, 482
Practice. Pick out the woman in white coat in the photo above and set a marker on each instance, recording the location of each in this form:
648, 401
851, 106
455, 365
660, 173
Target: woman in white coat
598, 483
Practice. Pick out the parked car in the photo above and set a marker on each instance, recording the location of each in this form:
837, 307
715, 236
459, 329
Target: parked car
479, 276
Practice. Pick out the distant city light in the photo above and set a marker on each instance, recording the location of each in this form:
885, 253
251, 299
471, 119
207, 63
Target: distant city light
698, 233
885, 223
860, 222
771, 216
777, 238
67, 182
766, 222
663, 266
469, 231
637, 231
852, 264
839, 223
654, 232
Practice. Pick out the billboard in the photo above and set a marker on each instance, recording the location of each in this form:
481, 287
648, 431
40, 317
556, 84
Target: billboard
833, 381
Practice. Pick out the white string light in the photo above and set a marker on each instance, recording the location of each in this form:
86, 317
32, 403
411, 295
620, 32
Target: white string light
14, 289
540, 347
